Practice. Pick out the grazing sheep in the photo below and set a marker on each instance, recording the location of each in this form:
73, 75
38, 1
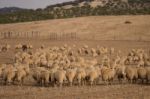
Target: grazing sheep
22, 72
141, 63
2, 67
58, 77
45, 76
41, 75
120, 72
70, 75
93, 75
80, 76
19, 46
24, 47
106, 61
79, 51
93, 51
108, 74
147, 63
8, 74
142, 73
131, 74
5, 48
148, 74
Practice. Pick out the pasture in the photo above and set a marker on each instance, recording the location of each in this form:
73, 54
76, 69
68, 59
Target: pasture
92, 33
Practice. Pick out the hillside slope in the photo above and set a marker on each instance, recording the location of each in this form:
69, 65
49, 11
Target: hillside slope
93, 27
79, 8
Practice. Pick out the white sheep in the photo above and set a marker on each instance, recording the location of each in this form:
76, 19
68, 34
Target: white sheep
58, 77
41, 75
108, 74
22, 72
142, 73
80, 76
70, 75
8, 74
93, 74
131, 74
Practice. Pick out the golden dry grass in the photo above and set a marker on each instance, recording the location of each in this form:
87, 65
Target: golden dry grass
98, 27
85, 92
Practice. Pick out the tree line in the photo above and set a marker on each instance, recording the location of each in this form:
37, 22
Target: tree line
133, 7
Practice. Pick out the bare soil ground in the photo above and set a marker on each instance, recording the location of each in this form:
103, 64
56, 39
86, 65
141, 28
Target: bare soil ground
85, 92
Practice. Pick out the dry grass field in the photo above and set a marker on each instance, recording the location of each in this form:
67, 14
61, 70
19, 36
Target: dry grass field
85, 92
98, 27
102, 29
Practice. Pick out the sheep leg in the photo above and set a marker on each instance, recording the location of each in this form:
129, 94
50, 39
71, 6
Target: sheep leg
22, 81
44, 82
41, 82
5, 81
83, 82
79, 82
70, 83
131, 81
60, 84
147, 81
91, 83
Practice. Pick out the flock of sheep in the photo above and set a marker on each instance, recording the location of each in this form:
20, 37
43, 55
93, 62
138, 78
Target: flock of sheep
72, 65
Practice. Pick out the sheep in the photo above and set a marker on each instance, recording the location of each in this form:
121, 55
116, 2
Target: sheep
141, 63
58, 77
93, 51
41, 75
85, 46
29, 46
108, 74
148, 74
79, 51
106, 61
19, 46
36, 73
22, 72
86, 51
142, 73
70, 75
120, 72
8, 74
131, 74
103, 50
92, 74
5, 48
80, 76
147, 63
24, 47
2, 67
45, 76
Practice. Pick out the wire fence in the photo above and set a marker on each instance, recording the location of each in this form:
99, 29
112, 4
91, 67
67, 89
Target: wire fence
38, 35
73, 36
